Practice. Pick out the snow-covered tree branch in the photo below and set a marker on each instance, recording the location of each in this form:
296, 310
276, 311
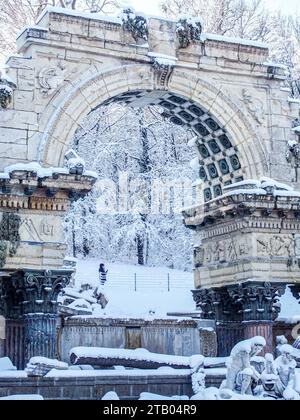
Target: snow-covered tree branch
16, 14
139, 157
249, 19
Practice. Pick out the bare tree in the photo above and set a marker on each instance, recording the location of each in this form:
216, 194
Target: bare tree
16, 14
248, 19
240, 18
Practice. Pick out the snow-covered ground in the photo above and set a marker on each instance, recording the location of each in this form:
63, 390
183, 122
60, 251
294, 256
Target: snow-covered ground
151, 298
290, 308
143, 292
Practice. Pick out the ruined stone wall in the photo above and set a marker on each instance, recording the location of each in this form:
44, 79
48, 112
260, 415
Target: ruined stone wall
70, 64
180, 338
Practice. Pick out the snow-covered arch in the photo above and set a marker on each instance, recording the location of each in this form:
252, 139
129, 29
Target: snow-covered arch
228, 147
70, 63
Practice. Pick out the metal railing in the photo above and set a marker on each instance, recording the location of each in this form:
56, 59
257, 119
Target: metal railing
142, 282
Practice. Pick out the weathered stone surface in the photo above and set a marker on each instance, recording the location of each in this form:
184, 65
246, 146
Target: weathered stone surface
247, 253
94, 388
29, 303
180, 338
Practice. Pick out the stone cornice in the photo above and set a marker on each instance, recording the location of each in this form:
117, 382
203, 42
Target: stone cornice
255, 207
257, 222
26, 190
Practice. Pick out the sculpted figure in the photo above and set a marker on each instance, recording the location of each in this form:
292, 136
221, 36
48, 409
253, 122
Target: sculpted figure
241, 376
280, 341
269, 377
286, 369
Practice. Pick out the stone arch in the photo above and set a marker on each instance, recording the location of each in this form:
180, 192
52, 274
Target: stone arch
138, 84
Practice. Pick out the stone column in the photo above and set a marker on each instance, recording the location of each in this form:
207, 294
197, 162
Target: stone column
241, 311
248, 250
40, 336
33, 205
30, 299
39, 292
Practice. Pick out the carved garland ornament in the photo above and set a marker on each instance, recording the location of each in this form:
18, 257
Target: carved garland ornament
6, 91
188, 31
137, 25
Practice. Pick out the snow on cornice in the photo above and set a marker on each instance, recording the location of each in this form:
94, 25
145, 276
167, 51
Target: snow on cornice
79, 14
40, 172
233, 40
118, 20
163, 59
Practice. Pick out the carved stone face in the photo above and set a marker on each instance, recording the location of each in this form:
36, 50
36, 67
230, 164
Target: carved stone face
258, 348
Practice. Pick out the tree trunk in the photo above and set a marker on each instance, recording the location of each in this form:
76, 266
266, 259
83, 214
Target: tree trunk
140, 249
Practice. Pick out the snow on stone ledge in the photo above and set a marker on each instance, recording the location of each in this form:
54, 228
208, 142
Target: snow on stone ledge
162, 59
56, 374
40, 171
79, 14
138, 355
13, 375
233, 40
23, 398
263, 186
6, 365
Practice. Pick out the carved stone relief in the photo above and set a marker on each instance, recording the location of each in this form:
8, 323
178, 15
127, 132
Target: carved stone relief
46, 228
51, 78
276, 246
225, 250
254, 106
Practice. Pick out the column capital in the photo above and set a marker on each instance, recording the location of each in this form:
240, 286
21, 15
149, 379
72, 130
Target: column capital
251, 301
39, 290
32, 291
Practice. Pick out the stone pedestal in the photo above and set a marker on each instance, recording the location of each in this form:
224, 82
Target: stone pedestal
248, 251
30, 306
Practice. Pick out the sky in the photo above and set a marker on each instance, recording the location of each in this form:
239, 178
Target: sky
152, 6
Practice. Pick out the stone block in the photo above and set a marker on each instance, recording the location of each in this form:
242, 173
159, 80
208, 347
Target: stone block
26, 79
13, 136
24, 100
